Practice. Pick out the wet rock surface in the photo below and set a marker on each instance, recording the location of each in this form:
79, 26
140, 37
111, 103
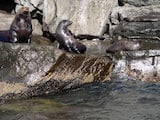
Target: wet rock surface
30, 70
141, 65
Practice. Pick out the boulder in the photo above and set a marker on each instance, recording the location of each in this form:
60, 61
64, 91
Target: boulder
89, 17
37, 27
33, 70
139, 3
132, 21
135, 14
141, 65
32, 4
147, 30
49, 11
6, 20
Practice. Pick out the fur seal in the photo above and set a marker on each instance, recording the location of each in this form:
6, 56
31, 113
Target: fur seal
21, 27
66, 39
124, 46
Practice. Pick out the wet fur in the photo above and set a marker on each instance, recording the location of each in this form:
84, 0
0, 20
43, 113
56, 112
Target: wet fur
66, 39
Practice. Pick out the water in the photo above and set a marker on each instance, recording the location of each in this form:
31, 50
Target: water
119, 99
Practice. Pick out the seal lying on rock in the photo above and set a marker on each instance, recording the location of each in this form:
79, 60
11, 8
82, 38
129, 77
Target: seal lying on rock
124, 46
21, 27
66, 39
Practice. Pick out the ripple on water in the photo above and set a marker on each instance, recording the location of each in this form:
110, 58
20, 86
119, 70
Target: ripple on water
114, 100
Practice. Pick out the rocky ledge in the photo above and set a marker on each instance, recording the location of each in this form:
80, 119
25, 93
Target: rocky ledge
32, 70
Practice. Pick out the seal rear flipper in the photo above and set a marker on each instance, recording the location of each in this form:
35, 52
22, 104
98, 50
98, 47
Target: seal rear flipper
82, 48
75, 49
78, 48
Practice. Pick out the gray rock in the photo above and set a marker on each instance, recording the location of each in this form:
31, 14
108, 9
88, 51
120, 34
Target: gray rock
32, 70
135, 14
138, 30
142, 65
135, 21
89, 17
37, 27
49, 11
32, 4
139, 2
5, 21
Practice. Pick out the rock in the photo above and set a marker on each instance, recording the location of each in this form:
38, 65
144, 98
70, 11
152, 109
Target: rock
32, 70
139, 3
96, 46
135, 21
32, 4
148, 30
135, 14
49, 11
37, 27
142, 65
86, 16
40, 40
7, 6
89, 17
5, 21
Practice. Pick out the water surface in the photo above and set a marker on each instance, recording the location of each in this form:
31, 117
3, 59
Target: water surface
119, 99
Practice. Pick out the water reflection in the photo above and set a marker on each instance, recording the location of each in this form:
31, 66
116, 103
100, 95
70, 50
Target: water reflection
114, 100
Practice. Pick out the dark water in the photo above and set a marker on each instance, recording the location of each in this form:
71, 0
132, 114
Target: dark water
119, 99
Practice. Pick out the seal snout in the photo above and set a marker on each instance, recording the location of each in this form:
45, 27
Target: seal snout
66, 22
70, 22
26, 12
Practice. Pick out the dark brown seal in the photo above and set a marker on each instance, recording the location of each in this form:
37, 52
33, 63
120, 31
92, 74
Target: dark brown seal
66, 40
21, 27
124, 46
